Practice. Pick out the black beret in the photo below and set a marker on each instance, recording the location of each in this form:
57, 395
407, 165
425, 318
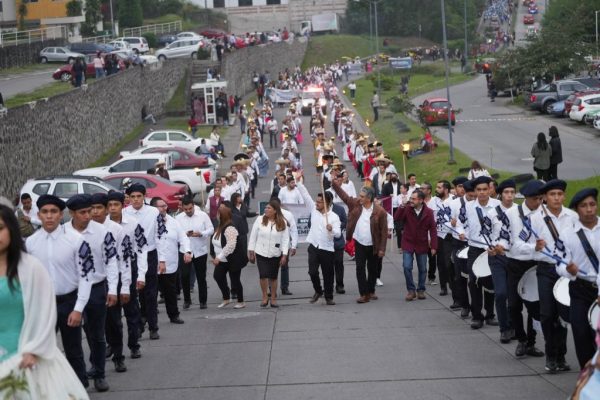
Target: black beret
459, 180
582, 195
509, 183
79, 201
468, 186
46, 199
554, 184
100, 198
481, 179
116, 196
136, 187
532, 188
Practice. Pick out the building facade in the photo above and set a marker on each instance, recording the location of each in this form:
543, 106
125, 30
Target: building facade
48, 12
8, 13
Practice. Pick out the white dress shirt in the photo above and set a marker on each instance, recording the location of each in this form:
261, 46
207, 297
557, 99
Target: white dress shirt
318, 235
289, 217
521, 249
67, 257
458, 210
577, 255
501, 229
287, 196
175, 241
362, 232
138, 252
564, 222
32, 214
124, 247
146, 216
198, 222
104, 251
474, 231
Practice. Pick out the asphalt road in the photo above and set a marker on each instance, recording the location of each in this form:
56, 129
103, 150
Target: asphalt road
11, 85
501, 136
520, 27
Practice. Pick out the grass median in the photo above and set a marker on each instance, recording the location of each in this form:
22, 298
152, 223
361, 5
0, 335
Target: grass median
46, 91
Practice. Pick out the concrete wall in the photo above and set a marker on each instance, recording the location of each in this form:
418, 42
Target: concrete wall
25, 54
70, 131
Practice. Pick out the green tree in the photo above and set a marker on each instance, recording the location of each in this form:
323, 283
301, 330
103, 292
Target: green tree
22, 11
130, 13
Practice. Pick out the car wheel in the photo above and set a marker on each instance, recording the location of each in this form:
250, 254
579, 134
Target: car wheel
65, 77
547, 106
43, 60
162, 57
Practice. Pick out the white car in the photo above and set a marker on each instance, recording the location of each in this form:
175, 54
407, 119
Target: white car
64, 186
180, 48
583, 105
175, 138
308, 97
189, 35
120, 45
138, 44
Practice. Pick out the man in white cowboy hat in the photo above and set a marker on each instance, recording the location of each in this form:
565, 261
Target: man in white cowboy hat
378, 175
161, 169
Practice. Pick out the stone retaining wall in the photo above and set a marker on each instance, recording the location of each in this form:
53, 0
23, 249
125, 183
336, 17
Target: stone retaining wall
25, 54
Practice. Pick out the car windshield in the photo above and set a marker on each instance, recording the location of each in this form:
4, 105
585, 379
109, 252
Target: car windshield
548, 88
439, 104
312, 94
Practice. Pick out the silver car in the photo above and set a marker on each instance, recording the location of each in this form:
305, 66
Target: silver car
58, 54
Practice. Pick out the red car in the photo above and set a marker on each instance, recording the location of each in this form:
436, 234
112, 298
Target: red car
64, 72
528, 19
182, 158
213, 33
571, 99
155, 186
435, 111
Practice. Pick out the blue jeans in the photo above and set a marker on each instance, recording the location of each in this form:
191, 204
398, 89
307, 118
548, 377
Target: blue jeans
407, 258
500, 278
99, 73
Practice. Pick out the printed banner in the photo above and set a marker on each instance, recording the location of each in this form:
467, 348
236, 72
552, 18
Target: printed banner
282, 96
401, 63
302, 215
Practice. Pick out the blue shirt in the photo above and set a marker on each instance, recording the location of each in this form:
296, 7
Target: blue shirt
11, 309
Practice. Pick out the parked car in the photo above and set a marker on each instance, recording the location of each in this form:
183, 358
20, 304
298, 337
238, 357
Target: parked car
189, 35
164, 40
167, 138
64, 73
435, 111
182, 158
528, 19
213, 33
557, 109
590, 116
542, 98
571, 99
583, 105
64, 186
155, 186
90, 48
138, 44
309, 96
122, 45
58, 54
180, 48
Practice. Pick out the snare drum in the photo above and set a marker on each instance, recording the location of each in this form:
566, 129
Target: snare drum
462, 254
481, 267
561, 291
593, 315
528, 286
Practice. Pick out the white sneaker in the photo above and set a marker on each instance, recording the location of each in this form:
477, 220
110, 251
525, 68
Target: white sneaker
239, 305
225, 303
378, 283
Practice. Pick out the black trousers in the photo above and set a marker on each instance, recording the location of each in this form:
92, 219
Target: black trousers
481, 289
71, 336
338, 264
168, 287
444, 265
114, 324
515, 270
366, 268
583, 294
555, 334
199, 265
432, 264
220, 276
460, 274
379, 267
149, 295
94, 325
319, 257
398, 226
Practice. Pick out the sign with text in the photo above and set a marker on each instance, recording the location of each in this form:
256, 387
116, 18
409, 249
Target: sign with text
401, 63
302, 215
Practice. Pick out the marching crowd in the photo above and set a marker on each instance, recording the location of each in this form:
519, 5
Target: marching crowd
118, 254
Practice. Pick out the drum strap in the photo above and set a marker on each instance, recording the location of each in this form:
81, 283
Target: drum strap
486, 226
558, 243
588, 249
525, 233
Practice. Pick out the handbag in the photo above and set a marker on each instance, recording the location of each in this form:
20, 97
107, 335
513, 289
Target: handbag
350, 247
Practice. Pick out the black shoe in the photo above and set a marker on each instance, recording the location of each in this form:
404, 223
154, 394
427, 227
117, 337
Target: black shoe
91, 372
505, 337
154, 335
136, 353
464, 314
561, 365
534, 352
315, 298
274, 305
513, 335
177, 321
203, 306
86, 384
340, 290
330, 302
477, 324
101, 385
109, 352
178, 298
521, 349
492, 321
551, 366
286, 292
120, 365
444, 292
455, 306
186, 305
265, 304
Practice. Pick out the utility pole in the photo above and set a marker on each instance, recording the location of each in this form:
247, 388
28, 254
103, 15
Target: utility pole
451, 160
466, 39
377, 51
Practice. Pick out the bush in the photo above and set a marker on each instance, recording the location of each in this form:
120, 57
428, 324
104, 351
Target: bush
387, 82
400, 104
203, 54
151, 39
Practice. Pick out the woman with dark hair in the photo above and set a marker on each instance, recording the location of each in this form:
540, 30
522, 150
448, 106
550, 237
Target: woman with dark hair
541, 153
556, 157
228, 257
28, 307
268, 246
477, 170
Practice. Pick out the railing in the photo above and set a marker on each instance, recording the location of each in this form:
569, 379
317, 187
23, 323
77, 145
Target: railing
97, 39
34, 35
157, 29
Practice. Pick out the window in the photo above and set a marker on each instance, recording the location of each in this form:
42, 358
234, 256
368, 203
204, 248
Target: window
41, 188
245, 3
219, 4
273, 2
49, 50
90, 188
60, 51
116, 182
176, 136
147, 163
65, 189
176, 155
159, 136
148, 184
125, 166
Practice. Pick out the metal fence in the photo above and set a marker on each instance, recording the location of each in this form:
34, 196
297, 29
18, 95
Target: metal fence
157, 29
31, 36
97, 39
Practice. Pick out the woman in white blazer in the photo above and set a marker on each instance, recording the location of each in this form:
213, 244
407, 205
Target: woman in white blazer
268, 246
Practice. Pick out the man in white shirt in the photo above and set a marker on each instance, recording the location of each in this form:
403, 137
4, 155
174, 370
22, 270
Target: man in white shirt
412, 184
105, 275
290, 194
273, 129
199, 229
285, 269
441, 212
325, 227
28, 212
68, 259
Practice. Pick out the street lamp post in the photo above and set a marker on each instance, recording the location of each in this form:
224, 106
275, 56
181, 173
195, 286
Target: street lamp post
596, 12
466, 39
451, 160
377, 50
112, 21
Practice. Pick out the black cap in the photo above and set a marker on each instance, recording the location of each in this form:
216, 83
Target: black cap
582, 195
468, 186
459, 180
46, 199
532, 188
481, 180
100, 198
116, 196
554, 184
79, 201
136, 187
509, 183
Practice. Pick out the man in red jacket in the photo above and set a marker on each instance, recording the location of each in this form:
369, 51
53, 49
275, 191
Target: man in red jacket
418, 237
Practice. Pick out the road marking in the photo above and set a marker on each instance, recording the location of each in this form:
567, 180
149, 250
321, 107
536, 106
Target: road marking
497, 119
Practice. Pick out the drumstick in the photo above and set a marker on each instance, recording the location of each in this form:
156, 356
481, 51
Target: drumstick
471, 240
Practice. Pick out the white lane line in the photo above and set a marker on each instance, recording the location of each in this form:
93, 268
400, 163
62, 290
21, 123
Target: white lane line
498, 119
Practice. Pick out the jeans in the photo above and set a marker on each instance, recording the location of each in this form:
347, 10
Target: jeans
168, 287
199, 265
583, 294
148, 295
481, 289
272, 139
99, 73
114, 325
220, 276
407, 258
366, 268
516, 269
319, 257
94, 316
498, 265
555, 334
375, 113
71, 336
